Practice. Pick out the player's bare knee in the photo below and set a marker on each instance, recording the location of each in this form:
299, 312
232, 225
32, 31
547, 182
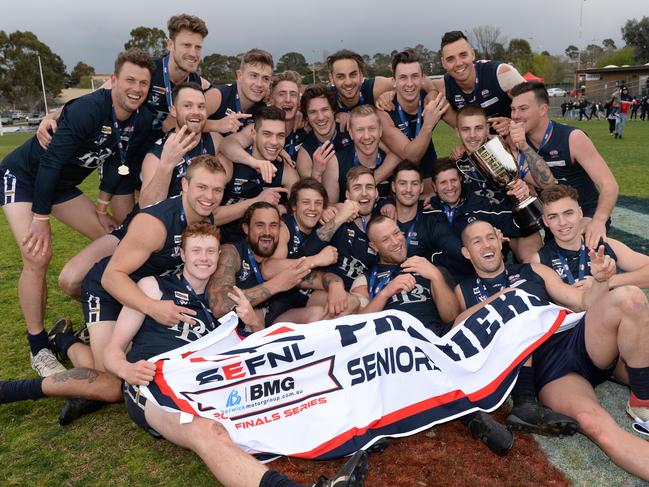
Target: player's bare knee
632, 301
217, 431
68, 282
590, 422
38, 262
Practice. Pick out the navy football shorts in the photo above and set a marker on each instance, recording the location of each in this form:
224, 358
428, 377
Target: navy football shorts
13, 190
565, 352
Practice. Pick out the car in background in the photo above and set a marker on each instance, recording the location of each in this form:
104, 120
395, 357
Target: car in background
557, 92
35, 119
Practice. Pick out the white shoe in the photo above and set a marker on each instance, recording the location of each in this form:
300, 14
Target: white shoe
45, 363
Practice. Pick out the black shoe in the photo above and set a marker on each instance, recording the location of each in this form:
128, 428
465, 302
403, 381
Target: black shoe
62, 325
530, 416
2, 399
83, 335
493, 434
352, 474
378, 446
75, 408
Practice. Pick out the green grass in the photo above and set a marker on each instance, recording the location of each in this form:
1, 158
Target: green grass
106, 448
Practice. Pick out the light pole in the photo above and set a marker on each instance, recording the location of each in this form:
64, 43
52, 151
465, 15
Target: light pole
40, 68
581, 14
313, 65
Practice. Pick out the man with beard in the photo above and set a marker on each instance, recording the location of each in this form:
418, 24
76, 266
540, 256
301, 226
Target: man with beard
107, 128
425, 234
457, 205
285, 95
408, 129
246, 185
567, 253
319, 109
416, 286
166, 163
572, 362
240, 265
571, 156
346, 230
306, 203
237, 103
365, 131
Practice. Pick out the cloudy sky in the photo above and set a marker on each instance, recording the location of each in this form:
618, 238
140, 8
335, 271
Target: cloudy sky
95, 31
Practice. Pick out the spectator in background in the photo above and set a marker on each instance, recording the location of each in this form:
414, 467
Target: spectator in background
644, 107
634, 108
622, 114
594, 109
583, 103
611, 114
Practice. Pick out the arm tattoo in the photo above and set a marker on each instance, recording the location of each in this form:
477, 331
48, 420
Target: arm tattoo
538, 168
257, 295
328, 279
223, 280
326, 231
88, 375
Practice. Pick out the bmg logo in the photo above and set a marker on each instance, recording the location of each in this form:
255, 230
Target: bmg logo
271, 388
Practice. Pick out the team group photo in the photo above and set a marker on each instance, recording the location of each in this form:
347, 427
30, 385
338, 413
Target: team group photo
424, 267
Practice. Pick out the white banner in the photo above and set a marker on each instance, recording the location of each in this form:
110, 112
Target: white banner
325, 389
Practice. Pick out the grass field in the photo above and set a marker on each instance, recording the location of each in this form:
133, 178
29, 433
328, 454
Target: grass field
107, 448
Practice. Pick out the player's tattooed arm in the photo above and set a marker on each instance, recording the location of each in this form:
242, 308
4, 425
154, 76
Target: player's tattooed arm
326, 231
257, 295
223, 280
539, 169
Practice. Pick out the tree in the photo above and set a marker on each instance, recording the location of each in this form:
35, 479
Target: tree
619, 57
519, 53
429, 59
499, 52
80, 70
219, 68
382, 64
636, 33
572, 52
609, 44
591, 55
550, 68
149, 39
484, 38
294, 61
20, 82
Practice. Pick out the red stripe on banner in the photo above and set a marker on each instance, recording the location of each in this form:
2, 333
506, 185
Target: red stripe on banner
279, 331
432, 402
168, 391
489, 389
386, 420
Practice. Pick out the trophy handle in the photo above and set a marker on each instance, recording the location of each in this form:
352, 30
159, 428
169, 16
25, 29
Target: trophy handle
468, 174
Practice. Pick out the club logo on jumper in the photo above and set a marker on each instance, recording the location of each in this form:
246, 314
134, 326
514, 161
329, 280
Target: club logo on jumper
183, 298
154, 99
554, 153
459, 101
244, 273
484, 93
106, 130
93, 160
177, 241
160, 90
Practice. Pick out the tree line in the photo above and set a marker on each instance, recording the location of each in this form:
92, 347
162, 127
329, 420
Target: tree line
20, 81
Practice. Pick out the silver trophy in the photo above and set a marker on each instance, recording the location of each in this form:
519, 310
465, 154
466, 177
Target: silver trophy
493, 161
